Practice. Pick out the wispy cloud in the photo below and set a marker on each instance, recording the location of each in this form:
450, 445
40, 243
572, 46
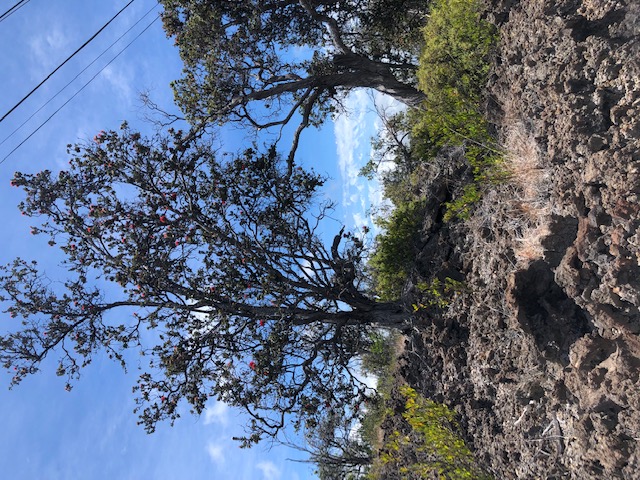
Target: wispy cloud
217, 413
269, 470
216, 453
48, 47
350, 130
120, 80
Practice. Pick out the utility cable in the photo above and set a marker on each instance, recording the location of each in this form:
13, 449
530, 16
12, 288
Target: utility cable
75, 94
76, 77
13, 9
68, 58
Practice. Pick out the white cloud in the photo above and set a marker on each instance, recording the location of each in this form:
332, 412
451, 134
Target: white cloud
215, 452
360, 220
120, 81
217, 413
269, 470
350, 130
46, 48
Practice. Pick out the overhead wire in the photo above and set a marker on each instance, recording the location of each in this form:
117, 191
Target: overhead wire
67, 59
13, 9
76, 77
80, 90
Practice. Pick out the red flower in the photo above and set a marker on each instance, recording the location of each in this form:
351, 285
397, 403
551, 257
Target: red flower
163, 219
252, 365
177, 243
262, 323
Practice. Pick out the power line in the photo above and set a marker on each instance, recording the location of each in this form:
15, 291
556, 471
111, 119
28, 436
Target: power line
76, 77
13, 9
75, 94
62, 64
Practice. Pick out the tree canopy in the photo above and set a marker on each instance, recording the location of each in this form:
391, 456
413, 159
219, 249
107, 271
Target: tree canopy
268, 63
211, 265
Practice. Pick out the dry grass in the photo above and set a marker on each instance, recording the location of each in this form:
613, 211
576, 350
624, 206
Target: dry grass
530, 204
522, 164
528, 246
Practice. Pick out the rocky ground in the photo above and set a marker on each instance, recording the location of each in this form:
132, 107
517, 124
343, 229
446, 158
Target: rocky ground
540, 352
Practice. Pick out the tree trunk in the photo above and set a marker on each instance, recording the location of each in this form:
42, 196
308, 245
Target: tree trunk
354, 71
363, 72
387, 315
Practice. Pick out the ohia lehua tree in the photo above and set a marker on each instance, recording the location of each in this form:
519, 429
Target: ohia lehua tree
212, 266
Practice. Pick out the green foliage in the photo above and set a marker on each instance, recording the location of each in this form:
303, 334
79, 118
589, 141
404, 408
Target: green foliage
432, 439
379, 361
454, 66
461, 206
453, 71
380, 354
396, 248
436, 293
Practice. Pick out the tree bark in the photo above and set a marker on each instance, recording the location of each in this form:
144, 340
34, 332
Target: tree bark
387, 315
365, 72
356, 72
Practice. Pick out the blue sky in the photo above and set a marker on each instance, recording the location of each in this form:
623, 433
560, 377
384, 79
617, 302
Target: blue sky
91, 432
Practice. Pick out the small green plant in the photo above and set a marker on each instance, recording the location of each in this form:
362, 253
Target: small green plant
462, 206
437, 293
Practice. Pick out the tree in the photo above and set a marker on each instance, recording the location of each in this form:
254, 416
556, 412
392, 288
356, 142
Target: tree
259, 62
337, 448
217, 260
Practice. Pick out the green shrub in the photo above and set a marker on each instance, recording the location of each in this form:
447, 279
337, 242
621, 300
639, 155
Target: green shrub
453, 72
437, 293
432, 440
379, 356
396, 248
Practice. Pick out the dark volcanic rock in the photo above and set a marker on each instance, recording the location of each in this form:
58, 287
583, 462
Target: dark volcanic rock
541, 355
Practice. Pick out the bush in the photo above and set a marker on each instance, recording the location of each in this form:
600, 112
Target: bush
431, 439
453, 72
454, 66
396, 248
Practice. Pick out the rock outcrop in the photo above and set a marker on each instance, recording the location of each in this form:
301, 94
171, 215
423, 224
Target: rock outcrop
540, 354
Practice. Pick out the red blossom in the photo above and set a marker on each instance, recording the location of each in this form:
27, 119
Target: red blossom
252, 365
